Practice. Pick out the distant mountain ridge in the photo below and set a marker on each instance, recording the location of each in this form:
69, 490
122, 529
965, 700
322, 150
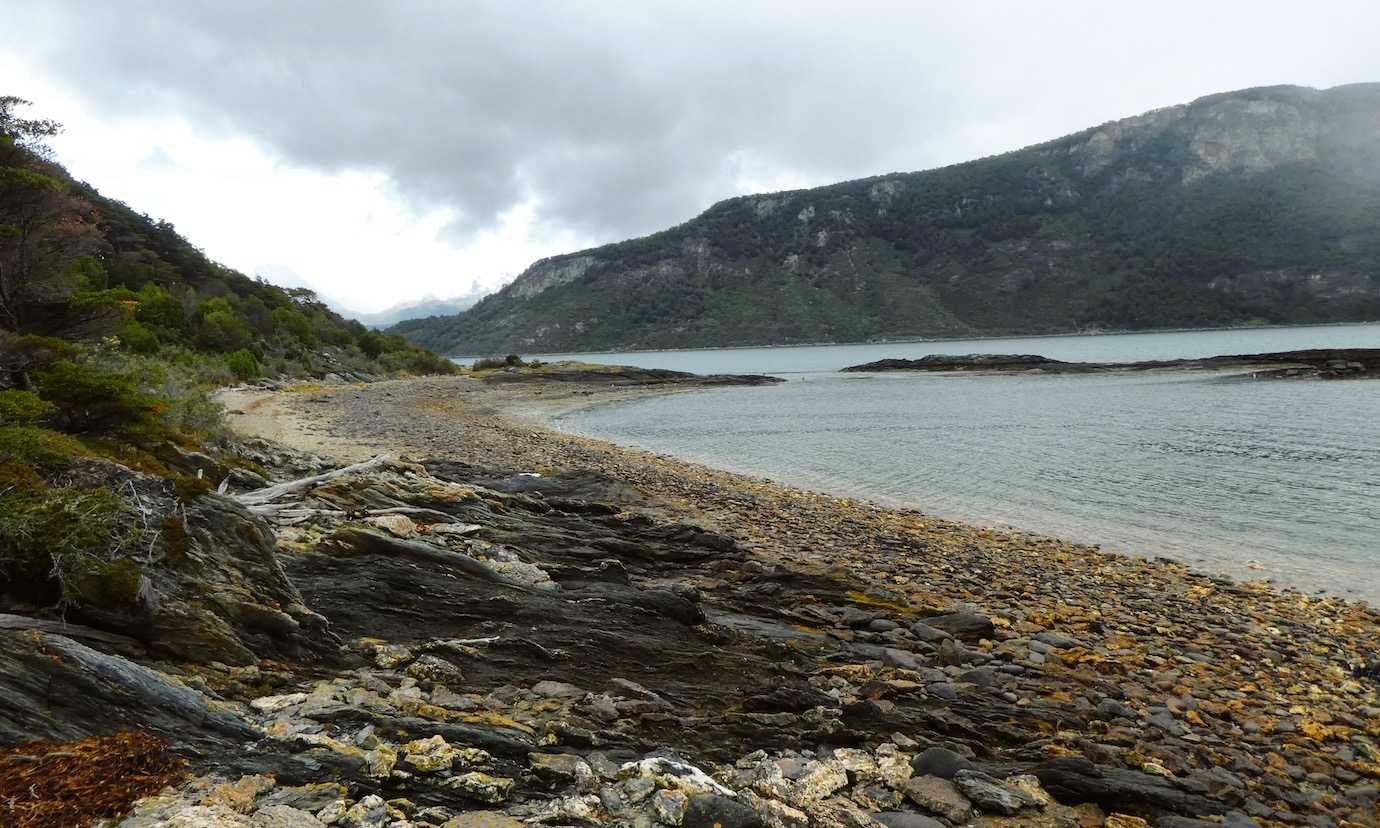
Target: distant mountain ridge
1255, 206
418, 309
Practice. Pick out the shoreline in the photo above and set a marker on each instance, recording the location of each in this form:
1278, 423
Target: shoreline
1186, 693
1244, 564
922, 340
540, 406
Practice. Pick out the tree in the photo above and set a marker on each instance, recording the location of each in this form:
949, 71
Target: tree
42, 226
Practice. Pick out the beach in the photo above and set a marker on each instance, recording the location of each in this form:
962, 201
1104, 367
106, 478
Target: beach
1252, 697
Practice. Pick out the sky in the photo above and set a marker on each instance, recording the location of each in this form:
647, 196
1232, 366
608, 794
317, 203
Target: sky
382, 152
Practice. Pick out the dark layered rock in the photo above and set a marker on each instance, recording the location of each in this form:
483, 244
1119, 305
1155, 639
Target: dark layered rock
1324, 363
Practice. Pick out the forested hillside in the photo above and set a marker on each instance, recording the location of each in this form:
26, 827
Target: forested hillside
90, 271
1258, 206
113, 332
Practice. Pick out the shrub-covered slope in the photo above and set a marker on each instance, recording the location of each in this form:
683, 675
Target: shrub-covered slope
1261, 205
113, 329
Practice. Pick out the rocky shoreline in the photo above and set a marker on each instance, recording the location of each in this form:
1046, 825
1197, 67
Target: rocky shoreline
513, 626
1320, 363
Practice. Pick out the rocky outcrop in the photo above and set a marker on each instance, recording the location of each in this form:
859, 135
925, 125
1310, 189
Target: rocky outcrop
524, 649
211, 587
623, 375
1321, 363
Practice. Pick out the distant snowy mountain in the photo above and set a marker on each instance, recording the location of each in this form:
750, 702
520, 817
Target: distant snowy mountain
419, 309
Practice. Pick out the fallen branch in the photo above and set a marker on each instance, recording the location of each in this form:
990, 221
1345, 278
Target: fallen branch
259, 497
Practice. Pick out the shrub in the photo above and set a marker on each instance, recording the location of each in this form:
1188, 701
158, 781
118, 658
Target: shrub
138, 339
222, 330
371, 344
90, 401
39, 447
62, 543
22, 408
243, 364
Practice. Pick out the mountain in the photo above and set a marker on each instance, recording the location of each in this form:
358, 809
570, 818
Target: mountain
1255, 206
419, 309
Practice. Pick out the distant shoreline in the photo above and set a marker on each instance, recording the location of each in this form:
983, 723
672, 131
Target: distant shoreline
920, 340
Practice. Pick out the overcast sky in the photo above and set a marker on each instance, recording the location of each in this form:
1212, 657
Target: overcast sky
382, 151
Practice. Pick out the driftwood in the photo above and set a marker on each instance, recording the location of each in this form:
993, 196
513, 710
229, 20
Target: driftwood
262, 497
351, 540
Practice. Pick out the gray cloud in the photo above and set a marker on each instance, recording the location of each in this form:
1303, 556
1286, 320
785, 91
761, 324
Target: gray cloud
620, 118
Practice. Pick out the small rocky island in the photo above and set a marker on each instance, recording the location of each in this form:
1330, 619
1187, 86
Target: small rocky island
1322, 363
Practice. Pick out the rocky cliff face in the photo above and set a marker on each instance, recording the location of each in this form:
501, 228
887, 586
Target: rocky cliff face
1258, 205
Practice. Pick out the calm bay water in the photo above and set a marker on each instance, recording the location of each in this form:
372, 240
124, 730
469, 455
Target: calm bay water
1254, 478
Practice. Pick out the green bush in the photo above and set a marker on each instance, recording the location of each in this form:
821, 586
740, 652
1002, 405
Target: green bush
371, 344
222, 330
22, 408
138, 338
243, 364
91, 401
63, 544
39, 447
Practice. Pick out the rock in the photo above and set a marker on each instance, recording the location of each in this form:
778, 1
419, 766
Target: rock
673, 773
1125, 821
818, 781
239, 796
952, 653
881, 625
1029, 788
272, 704
1058, 640
434, 669
454, 529
283, 816
561, 767
1076, 779
399, 526
369, 812
905, 819
938, 796
942, 690
714, 811
940, 762
855, 617
52, 687
557, 690
670, 806
1113, 709
483, 819
312, 797
988, 794
391, 656
431, 755
966, 625
892, 657
926, 633
481, 787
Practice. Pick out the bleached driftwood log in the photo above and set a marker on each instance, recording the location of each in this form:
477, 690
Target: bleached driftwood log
263, 497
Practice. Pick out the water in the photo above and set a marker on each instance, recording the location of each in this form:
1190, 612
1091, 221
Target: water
1254, 478
1132, 347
